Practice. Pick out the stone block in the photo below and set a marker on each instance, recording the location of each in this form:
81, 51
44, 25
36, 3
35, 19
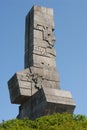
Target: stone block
20, 87
47, 101
42, 61
51, 84
40, 42
46, 74
38, 34
42, 15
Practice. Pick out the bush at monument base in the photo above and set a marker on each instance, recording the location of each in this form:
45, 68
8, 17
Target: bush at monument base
53, 122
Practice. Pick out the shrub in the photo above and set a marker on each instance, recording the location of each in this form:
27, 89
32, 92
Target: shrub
52, 122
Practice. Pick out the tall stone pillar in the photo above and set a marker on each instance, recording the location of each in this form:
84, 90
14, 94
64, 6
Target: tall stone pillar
40, 54
37, 87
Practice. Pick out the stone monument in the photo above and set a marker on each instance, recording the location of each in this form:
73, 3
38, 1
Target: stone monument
37, 87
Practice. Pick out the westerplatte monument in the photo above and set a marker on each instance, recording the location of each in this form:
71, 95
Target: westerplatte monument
37, 87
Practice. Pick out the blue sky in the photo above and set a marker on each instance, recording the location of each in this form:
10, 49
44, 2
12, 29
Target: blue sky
71, 46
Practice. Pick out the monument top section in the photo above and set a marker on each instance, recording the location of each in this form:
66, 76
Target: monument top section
39, 38
46, 14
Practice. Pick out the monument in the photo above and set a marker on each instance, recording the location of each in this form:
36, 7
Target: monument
37, 87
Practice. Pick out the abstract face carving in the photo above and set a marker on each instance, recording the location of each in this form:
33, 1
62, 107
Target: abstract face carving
47, 33
49, 36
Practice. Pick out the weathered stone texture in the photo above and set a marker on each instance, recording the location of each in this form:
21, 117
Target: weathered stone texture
39, 37
37, 87
23, 82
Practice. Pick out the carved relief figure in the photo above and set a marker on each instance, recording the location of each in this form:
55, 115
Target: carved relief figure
49, 36
47, 33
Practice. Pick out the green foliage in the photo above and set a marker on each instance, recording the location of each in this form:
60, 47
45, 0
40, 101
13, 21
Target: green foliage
52, 122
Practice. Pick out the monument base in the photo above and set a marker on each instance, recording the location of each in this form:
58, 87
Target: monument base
45, 102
